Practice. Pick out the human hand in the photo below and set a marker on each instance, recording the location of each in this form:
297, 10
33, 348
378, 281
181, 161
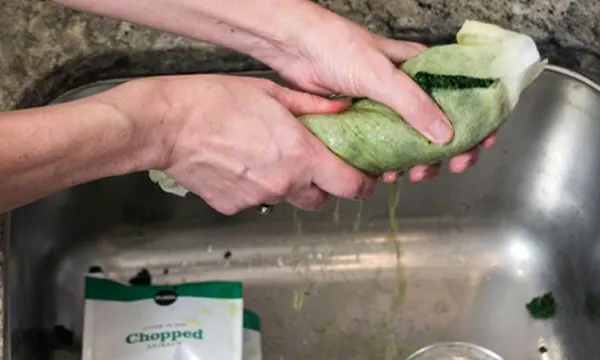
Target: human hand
354, 62
457, 164
236, 142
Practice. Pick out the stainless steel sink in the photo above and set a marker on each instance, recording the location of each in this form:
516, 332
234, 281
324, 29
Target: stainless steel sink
466, 253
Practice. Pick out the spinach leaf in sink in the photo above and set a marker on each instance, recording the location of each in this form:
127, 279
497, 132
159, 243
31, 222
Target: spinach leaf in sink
542, 307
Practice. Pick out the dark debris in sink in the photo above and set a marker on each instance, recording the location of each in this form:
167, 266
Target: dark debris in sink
95, 269
142, 278
63, 336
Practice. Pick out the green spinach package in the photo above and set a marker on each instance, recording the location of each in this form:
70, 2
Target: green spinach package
476, 81
252, 347
192, 321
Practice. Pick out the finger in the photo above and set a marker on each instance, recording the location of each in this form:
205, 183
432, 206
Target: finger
389, 177
400, 51
299, 103
309, 199
489, 141
311, 87
424, 172
334, 176
225, 206
462, 162
401, 93
274, 200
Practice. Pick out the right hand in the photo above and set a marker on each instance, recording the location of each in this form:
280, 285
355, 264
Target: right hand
353, 61
236, 142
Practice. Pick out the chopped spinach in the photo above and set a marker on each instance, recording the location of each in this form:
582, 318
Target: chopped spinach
542, 307
429, 82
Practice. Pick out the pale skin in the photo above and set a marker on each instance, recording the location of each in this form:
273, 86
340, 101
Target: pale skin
233, 141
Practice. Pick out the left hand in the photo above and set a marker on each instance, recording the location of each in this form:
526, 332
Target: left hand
457, 164
335, 55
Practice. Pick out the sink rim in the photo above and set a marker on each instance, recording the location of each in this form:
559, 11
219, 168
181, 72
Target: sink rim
116, 81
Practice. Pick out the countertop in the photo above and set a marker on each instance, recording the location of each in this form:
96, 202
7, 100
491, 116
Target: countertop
46, 49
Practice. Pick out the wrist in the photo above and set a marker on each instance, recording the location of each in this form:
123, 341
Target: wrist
294, 33
143, 110
263, 29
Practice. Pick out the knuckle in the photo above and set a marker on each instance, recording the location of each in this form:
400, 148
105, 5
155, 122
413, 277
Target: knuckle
270, 86
308, 206
298, 152
385, 74
298, 155
316, 204
278, 188
227, 209
311, 199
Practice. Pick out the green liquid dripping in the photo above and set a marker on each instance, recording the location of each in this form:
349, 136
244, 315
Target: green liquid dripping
393, 197
297, 222
336, 212
358, 218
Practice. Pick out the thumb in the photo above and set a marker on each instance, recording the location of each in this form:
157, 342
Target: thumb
400, 51
392, 87
300, 103
336, 177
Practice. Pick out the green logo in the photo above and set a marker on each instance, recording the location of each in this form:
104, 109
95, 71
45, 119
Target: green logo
165, 336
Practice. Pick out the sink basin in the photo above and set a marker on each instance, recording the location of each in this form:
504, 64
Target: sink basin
452, 259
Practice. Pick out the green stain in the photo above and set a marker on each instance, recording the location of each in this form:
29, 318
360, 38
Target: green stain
377, 344
298, 300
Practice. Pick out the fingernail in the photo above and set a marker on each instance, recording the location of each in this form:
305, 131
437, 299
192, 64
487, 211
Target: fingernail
418, 176
337, 97
463, 165
439, 131
389, 177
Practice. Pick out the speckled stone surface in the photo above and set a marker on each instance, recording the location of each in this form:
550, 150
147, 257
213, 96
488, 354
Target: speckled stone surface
46, 49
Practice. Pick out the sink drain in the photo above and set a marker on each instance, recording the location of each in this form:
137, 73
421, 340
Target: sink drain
454, 351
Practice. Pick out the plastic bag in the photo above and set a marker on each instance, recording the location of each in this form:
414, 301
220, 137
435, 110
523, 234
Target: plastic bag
189, 321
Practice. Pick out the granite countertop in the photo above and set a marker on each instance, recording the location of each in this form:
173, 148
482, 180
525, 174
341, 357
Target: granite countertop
46, 49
